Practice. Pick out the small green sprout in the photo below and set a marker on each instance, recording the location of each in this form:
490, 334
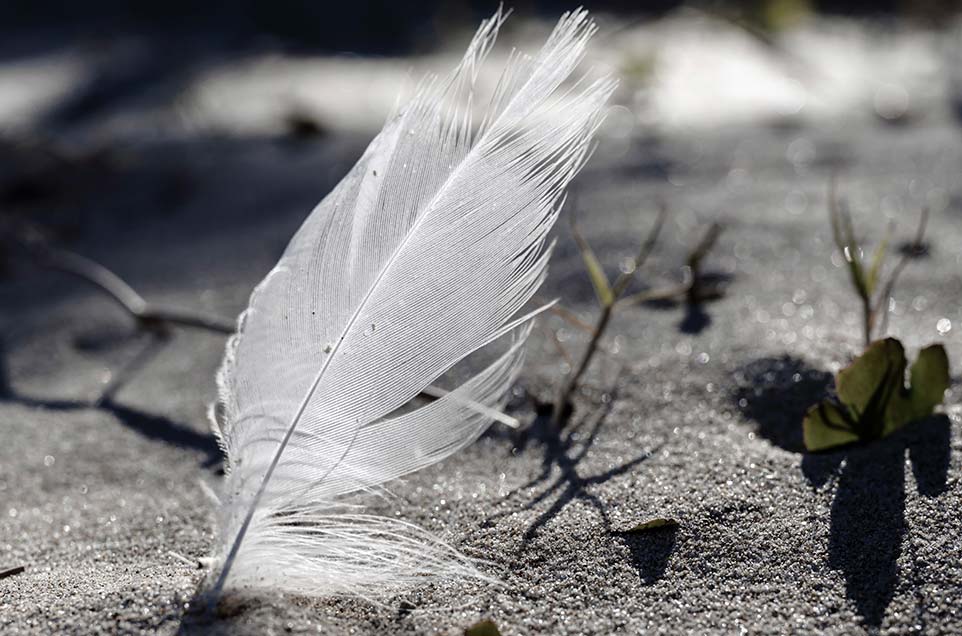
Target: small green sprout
866, 277
873, 401
483, 628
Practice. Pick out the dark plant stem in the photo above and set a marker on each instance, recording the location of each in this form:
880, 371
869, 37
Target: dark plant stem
868, 318
153, 320
561, 409
843, 232
147, 316
695, 291
565, 314
662, 293
880, 309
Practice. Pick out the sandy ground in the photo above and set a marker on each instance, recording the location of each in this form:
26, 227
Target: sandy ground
695, 417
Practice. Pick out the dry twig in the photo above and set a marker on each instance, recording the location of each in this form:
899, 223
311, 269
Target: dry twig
148, 316
609, 300
693, 290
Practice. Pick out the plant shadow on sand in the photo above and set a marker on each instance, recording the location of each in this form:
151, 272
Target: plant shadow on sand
696, 317
868, 512
775, 393
867, 524
565, 448
650, 551
151, 426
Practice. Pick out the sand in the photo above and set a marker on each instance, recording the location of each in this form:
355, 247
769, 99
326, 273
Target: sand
693, 417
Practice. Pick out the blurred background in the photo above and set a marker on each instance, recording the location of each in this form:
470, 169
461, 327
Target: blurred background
110, 68
84, 81
183, 142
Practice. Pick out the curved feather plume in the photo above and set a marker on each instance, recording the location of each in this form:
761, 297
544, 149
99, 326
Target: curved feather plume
425, 253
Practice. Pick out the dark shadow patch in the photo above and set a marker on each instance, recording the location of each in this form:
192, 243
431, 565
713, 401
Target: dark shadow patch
955, 104
202, 619
103, 338
158, 427
915, 251
303, 127
695, 321
867, 527
650, 551
661, 304
565, 448
930, 451
775, 393
868, 523
713, 284
711, 287
9, 394
155, 427
819, 468
6, 388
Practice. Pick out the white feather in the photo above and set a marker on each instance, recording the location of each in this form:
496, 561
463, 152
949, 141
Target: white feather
422, 255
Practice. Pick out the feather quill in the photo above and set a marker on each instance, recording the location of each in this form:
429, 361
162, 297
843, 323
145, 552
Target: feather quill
424, 254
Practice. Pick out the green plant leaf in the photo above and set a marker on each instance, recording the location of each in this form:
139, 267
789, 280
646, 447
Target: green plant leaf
929, 378
852, 253
868, 385
873, 399
483, 628
844, 234
652, 524
595, 272
826, 426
